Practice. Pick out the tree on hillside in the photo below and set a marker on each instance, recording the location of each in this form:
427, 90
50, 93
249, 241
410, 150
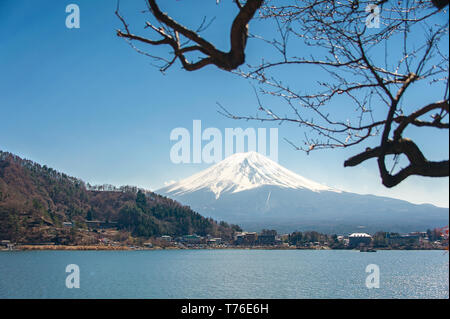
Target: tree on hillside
372, 55
141, 200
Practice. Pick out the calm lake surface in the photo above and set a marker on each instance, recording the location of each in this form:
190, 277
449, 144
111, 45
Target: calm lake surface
224, 274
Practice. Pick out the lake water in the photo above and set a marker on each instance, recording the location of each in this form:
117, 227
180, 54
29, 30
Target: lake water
224, 274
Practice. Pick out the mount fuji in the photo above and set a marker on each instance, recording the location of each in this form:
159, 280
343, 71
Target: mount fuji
255, 192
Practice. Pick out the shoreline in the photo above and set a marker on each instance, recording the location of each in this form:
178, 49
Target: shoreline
127, 248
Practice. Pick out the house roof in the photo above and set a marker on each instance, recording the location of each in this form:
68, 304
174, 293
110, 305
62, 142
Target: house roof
359, 235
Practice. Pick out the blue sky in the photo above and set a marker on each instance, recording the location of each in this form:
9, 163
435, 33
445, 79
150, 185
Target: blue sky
83, 102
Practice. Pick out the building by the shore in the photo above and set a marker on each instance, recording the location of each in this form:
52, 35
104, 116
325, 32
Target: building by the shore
246, 238
166, 238
6, 244
192, 239
358, 239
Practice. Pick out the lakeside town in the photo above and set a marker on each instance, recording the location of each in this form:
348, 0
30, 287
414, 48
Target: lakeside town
106, 236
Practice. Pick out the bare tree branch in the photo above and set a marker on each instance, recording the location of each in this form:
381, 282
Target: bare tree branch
362, 93
224, 60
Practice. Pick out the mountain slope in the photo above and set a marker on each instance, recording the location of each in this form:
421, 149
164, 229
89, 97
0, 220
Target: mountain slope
257, 193
35, 200
240, 172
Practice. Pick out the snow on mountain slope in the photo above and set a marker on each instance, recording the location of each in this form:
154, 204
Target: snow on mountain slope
243, 171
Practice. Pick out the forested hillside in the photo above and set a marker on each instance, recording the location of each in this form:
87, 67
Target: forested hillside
36, 200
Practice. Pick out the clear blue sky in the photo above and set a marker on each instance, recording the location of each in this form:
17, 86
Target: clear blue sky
83, 102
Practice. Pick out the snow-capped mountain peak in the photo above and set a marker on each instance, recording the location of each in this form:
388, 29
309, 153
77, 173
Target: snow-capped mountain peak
243, 171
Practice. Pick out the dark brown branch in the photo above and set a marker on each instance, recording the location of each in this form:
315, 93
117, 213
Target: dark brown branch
440, 4
225, 60
419, 165
412, 119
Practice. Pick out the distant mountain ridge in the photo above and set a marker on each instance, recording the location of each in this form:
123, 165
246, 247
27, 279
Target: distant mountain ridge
35, 200
256, 192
